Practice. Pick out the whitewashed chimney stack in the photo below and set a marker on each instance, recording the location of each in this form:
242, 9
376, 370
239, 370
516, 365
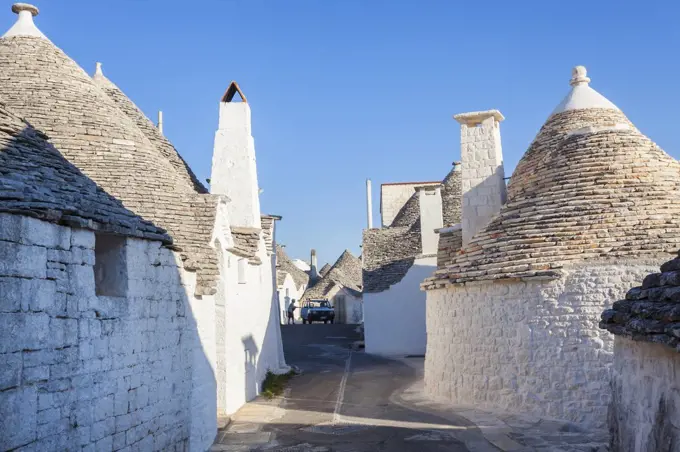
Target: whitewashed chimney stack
234, 170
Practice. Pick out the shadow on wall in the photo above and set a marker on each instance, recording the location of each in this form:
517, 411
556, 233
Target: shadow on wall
251, 353
79, 367
484, 196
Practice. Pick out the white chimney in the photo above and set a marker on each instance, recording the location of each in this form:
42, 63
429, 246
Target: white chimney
313, 268
430, 201
369, 204
483, 177
234, 172
160, 122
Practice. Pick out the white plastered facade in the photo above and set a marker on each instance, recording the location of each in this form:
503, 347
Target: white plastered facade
646, 396
287, 293
531, 346
249, 335
395, 318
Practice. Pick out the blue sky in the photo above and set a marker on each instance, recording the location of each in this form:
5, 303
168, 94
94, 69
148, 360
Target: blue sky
346, 90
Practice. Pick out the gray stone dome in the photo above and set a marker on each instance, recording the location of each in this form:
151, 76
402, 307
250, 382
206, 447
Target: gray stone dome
47, 88
590, 186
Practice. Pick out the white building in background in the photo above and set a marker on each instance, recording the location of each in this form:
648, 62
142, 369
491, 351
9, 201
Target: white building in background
291, 283
512, 317
341, 286
112, 329
398, 256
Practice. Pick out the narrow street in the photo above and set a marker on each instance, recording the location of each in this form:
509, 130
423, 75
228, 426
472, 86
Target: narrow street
341, 402
347, 401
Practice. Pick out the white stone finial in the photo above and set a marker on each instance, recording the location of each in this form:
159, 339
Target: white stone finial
98, 69
582, 96
24, 25
18, 7
579, 76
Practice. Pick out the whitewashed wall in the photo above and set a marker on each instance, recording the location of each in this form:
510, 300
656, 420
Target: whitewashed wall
252, 334
528, 346
348, 308
645, 409
293, 293
394, 320
99, 372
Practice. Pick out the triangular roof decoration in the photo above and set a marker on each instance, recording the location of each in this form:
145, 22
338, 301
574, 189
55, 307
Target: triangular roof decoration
231, 92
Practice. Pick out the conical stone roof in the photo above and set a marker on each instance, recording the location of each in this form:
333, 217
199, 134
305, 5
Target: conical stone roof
148, 128
346, 271
590, 187
43, 85
37, 181
452, 195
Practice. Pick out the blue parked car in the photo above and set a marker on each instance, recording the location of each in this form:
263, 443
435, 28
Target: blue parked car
317, 311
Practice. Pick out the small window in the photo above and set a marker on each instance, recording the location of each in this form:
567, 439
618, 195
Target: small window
287, 292
242, 271
110, 266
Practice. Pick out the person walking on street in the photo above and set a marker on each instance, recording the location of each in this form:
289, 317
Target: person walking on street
291, 312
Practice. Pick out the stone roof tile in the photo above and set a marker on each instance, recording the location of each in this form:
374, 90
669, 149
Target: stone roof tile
346, 272
590, 186
149, 129
650, 312
285, 264
37, 181
43, 85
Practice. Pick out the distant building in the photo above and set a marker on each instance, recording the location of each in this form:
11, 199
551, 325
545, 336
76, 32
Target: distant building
398, 256
291, 283
341, 285
135, 304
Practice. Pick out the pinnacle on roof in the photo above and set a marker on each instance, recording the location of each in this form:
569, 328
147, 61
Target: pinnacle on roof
582, 96
232, 91
24, 25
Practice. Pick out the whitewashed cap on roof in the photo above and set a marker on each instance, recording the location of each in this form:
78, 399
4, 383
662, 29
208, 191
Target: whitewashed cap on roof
590, 186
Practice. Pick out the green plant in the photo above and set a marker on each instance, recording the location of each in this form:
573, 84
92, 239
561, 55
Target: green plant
274, 384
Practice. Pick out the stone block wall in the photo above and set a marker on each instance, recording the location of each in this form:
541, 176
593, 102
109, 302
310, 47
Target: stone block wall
93, 372
528, 346
645, 411
483, 183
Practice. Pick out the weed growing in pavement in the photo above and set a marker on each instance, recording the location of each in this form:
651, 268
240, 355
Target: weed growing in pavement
274, 384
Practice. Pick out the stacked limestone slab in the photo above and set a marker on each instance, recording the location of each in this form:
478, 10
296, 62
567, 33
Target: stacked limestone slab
643, 414
37, 181
43, 85
512, 318
345, 272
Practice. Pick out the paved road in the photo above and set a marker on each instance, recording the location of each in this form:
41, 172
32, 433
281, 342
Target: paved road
344, 401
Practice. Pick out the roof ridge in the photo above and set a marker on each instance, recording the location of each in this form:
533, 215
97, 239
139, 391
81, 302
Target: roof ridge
147, 127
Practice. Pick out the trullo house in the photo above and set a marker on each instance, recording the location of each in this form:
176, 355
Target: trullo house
398, 256
136, 306
341, 286
592, 208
